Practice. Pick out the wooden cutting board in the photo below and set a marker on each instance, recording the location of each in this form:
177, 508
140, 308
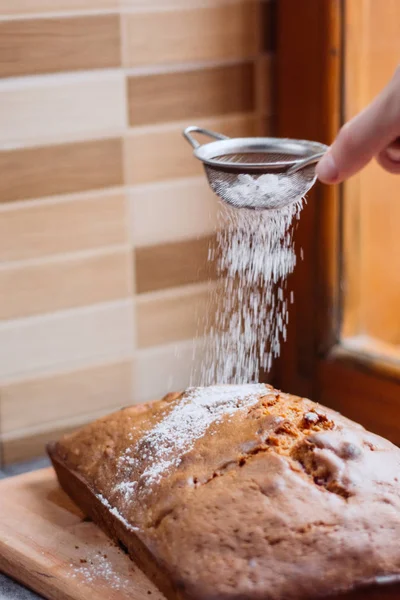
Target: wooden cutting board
47, 545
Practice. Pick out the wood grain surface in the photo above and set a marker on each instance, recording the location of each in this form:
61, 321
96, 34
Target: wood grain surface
33, 46
47, 545
63, 169
191, 94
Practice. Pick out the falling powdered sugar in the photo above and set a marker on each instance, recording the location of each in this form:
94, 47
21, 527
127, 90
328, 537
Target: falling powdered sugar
249, 310
164, 445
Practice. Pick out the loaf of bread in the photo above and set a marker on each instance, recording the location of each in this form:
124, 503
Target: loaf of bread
242, 492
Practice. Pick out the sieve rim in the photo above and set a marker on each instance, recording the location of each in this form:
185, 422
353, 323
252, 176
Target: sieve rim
302, 149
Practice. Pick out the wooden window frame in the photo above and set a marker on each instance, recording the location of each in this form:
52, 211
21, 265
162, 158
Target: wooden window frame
310, 42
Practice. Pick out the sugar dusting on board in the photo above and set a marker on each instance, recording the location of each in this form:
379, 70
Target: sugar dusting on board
96, 567
162, 448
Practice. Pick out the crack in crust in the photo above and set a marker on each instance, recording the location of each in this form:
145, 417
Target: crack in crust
284, 440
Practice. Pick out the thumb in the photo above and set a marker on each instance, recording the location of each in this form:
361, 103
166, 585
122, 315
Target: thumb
364, 137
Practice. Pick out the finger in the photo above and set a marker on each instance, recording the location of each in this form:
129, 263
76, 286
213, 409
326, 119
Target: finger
363, 137
393, 150
357, 143
389, 158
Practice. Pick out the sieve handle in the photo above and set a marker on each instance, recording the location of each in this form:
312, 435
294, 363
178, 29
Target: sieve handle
302, 164
194, 143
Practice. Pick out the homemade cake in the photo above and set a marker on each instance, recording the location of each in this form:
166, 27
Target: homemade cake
242, 492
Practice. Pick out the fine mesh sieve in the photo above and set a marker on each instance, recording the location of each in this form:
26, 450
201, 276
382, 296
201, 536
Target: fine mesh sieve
257, 173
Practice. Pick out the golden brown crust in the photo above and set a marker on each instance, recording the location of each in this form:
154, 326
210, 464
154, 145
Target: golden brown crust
282, 499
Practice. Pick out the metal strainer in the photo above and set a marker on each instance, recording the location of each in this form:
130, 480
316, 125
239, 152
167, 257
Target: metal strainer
257, 173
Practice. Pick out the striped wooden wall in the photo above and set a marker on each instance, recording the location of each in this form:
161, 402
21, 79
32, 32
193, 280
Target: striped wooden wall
105, 218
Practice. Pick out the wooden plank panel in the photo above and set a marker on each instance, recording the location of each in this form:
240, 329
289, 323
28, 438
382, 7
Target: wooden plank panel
74, 223
26, 444
173, 264
155, 153
173, 210
264, 86
201, 33
191, 94
66, 340
67, 168
266, 126
61, 108
67, 283
35, 402
175, 365
168, 317
32, 46
23, 7
176, 4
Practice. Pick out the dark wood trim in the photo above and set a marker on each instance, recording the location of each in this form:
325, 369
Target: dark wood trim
308, 106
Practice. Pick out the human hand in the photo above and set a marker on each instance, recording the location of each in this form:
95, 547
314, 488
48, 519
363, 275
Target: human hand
373, 133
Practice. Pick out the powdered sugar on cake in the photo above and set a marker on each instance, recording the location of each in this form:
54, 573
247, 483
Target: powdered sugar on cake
115, 512
126, 488
162, 448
